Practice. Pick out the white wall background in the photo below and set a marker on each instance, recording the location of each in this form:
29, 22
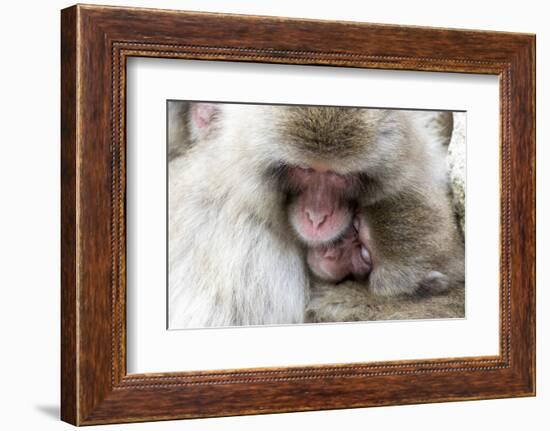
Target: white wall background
29, 215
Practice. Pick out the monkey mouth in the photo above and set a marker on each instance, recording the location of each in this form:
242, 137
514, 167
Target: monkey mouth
341, 237
324, 236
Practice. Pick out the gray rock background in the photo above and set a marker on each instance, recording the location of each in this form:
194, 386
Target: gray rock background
456, 164
446, 132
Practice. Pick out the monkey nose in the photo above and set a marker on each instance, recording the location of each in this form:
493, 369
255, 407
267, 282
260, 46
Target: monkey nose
315, 218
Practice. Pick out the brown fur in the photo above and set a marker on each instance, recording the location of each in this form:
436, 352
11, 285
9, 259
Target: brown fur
326, 132
349, 302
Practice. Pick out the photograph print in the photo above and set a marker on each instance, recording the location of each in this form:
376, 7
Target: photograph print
295, 214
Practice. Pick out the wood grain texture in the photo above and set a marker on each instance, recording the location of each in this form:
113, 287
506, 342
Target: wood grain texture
96, 41
68, 218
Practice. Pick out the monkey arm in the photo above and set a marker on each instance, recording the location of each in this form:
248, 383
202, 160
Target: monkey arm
349, 301
416, 244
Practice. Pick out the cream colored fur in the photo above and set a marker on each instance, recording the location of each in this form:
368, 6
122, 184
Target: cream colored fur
232, 260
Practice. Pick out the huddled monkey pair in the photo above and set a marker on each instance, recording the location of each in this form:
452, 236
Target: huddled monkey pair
293, 214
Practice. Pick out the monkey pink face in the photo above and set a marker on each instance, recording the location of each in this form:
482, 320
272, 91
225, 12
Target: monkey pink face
320, 213
350, 256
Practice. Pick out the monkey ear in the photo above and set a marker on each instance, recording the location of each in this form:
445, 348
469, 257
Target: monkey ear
202, 114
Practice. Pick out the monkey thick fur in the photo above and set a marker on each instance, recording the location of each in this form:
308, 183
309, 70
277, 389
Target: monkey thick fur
232, 258
235, 260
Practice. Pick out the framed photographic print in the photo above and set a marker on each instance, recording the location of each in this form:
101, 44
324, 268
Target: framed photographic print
264, 214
